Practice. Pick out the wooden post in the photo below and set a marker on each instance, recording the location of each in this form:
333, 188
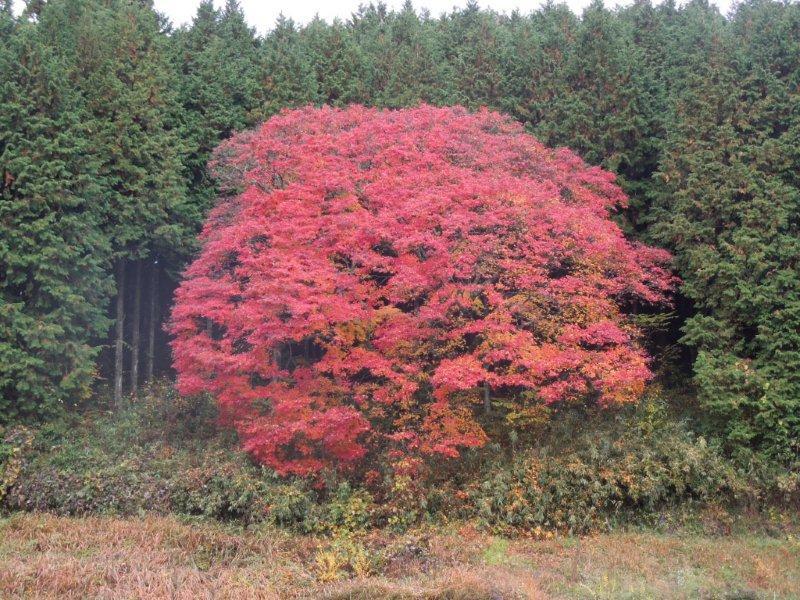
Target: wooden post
151, 322
136, 329
119, 332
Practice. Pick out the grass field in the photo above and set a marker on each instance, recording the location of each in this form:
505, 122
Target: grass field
43, 556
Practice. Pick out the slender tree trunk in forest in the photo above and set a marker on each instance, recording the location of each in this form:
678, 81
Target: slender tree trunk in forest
151, 322
119, 332
487, 400
136, 329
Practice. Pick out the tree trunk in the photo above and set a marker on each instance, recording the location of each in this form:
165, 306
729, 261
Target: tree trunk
487, 400
119, 332
136, 329
151, 323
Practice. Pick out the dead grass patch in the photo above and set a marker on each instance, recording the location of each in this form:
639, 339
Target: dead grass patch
43, 557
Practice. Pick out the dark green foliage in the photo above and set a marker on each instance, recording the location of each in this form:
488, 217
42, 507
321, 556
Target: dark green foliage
729, 207
166, 454
91, 172
405, 58
128, 86
340, 65
591, 91
218, 88
288, 77
476, 48
54, 286
638, 467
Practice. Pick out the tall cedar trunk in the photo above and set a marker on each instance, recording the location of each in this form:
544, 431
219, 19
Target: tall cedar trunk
487, 399
151, 322
119, 332
136, 328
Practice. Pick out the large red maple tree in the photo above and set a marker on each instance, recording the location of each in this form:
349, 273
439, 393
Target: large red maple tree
377, 276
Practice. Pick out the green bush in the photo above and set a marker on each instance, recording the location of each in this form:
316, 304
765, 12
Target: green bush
347, 510
227, 489
14, 443
584, 471
162, 454
637, 466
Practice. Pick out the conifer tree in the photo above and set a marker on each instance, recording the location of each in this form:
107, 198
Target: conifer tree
730, 208
339, 64
407, 62
286, 73
604, 103
54, 285
123, 72
475, 46
108, 119
218, 90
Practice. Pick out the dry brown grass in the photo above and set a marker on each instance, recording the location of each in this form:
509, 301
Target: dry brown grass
42, 556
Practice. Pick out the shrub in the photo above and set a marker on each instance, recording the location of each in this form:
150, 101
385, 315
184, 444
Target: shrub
383, 274
13, 445
347, 510
633, 469
163, 454
232, 491
633, 465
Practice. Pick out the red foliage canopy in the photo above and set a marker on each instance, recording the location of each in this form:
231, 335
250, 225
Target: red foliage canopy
379, 270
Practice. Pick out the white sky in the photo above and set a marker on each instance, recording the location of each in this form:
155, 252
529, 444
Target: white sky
261, 14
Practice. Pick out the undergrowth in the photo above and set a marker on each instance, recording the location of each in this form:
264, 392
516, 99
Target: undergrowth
583, 472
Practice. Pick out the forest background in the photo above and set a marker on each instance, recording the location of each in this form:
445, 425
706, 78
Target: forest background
109, 116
